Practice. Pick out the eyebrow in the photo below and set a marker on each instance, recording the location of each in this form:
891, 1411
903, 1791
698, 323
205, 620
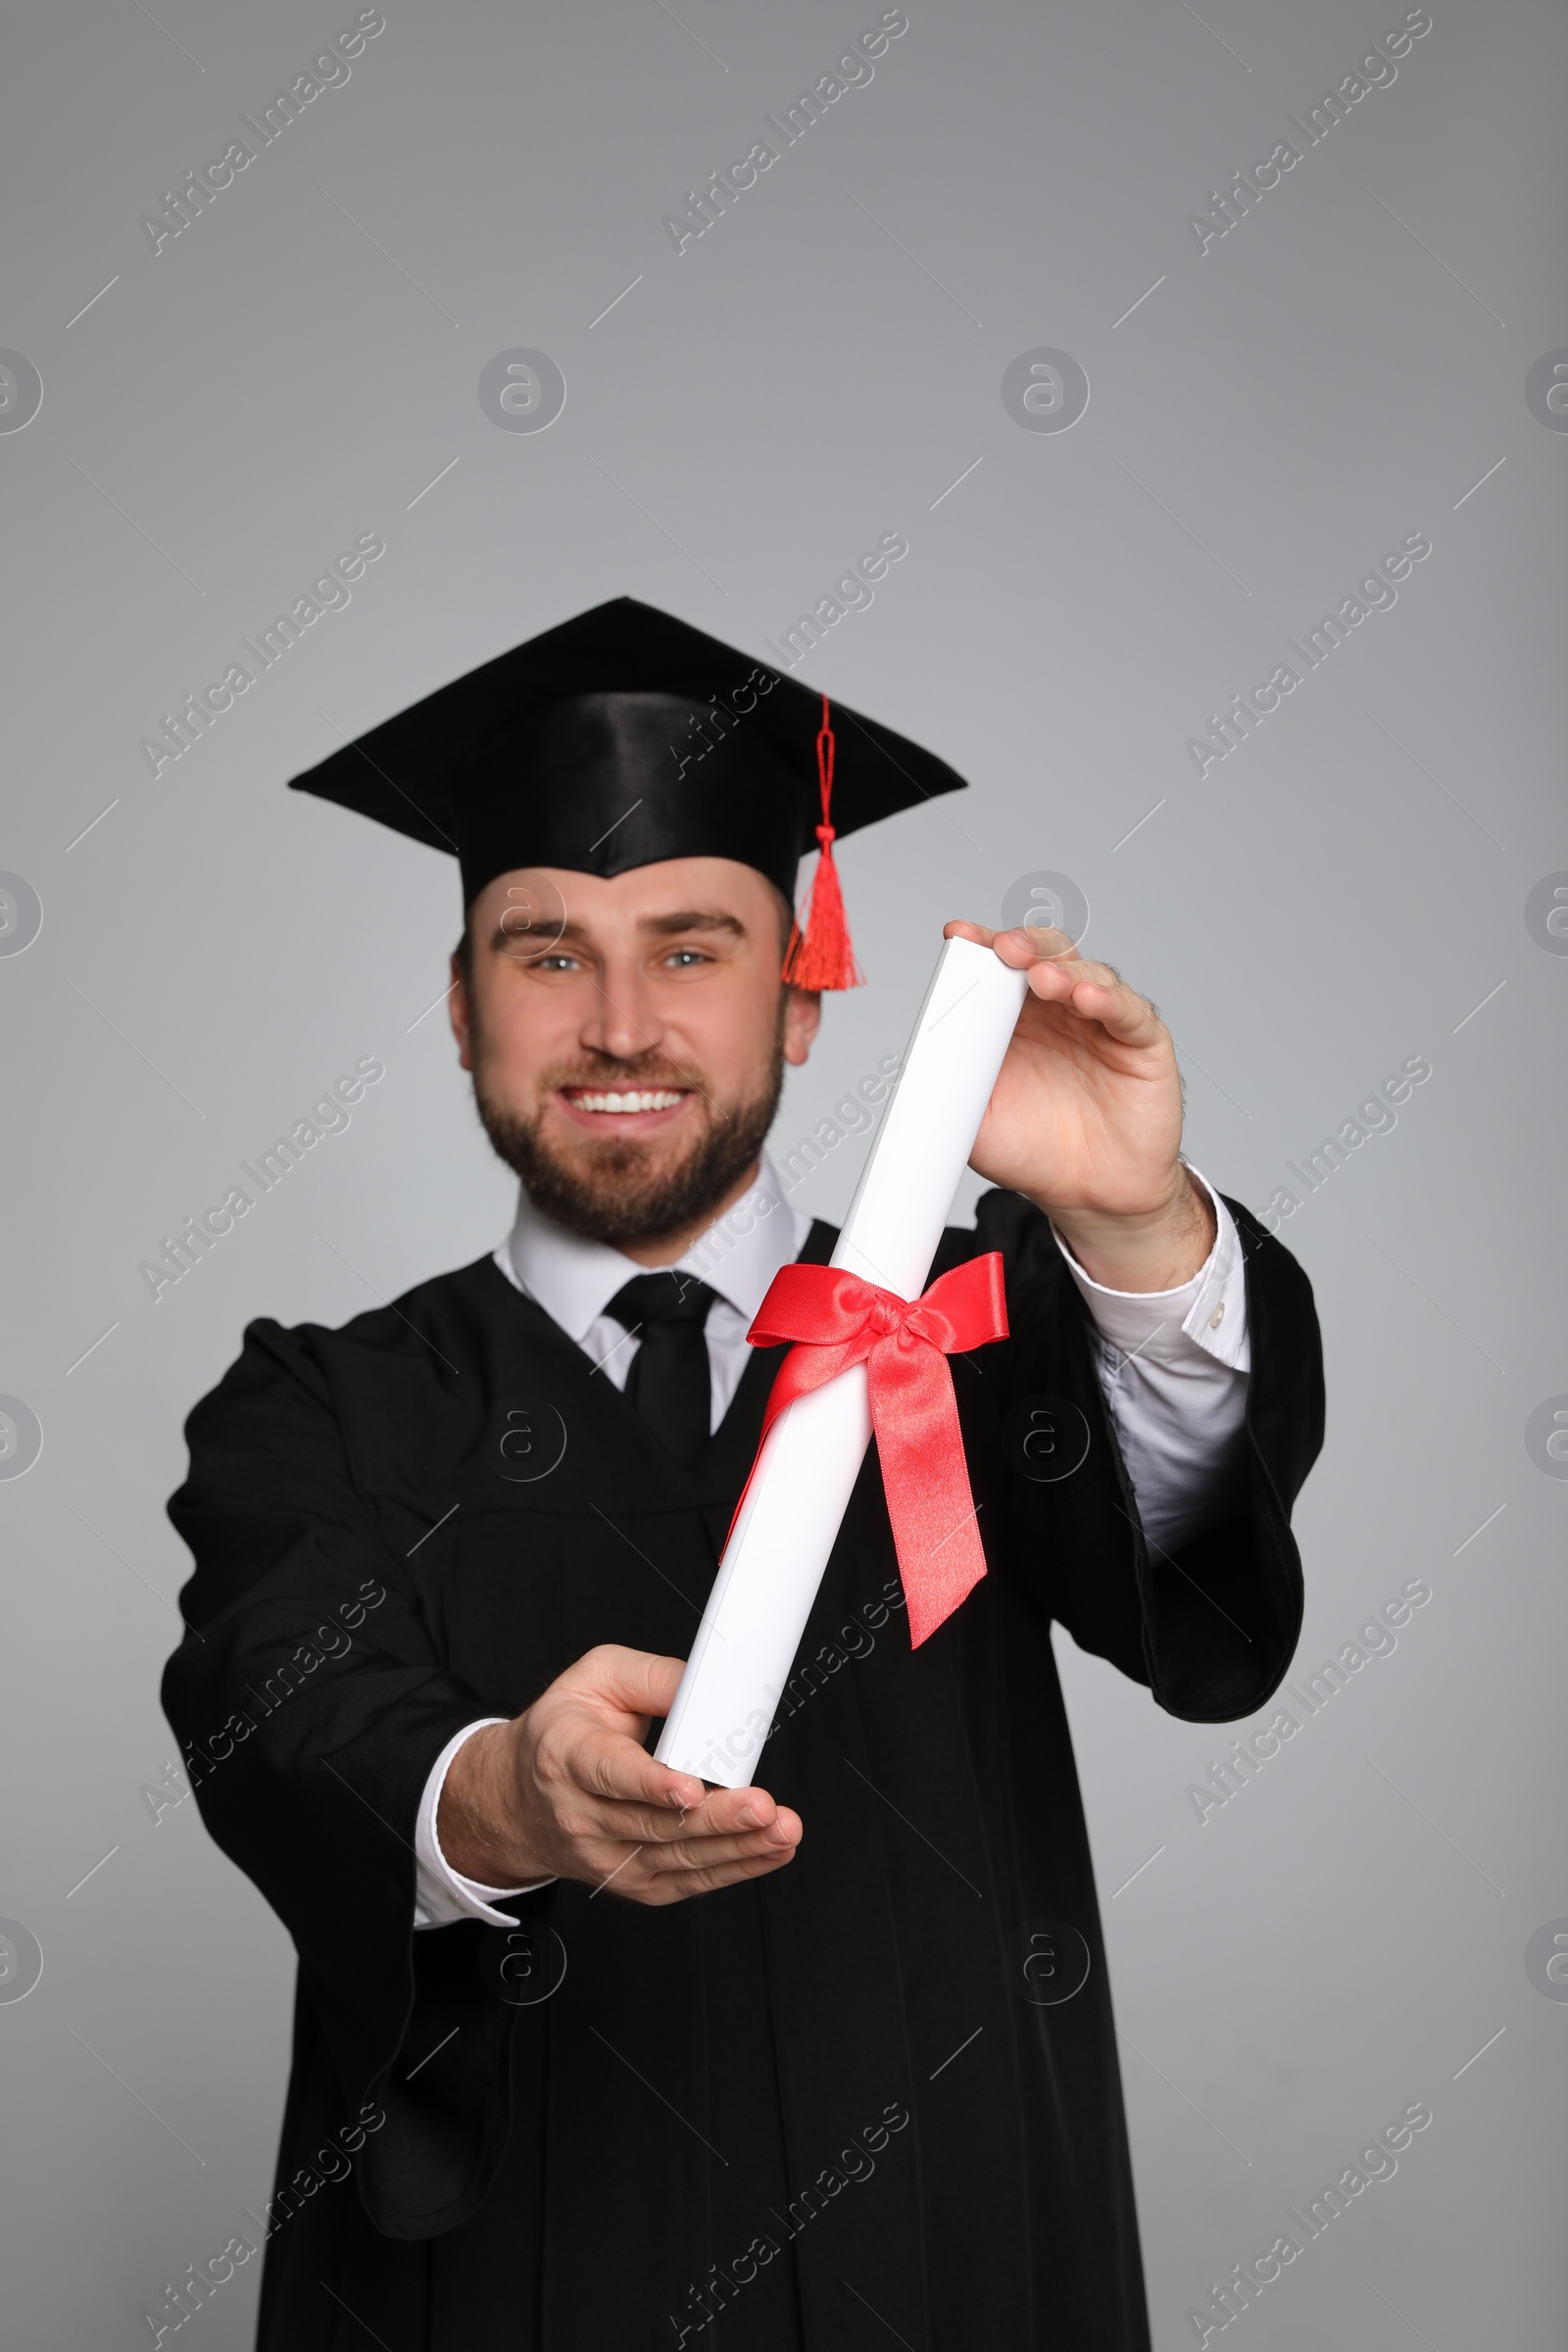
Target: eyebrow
665, 926
659, 927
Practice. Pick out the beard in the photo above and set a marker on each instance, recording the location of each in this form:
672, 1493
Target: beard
629, 1193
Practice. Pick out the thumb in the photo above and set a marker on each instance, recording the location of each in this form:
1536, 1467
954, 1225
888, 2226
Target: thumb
636, 1682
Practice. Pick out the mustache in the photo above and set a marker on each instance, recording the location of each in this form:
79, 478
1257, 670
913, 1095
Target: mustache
642, 1070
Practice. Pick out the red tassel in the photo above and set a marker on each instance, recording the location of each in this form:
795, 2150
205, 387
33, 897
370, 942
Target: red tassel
821, 953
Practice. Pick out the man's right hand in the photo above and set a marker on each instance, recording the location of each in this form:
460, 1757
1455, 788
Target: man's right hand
568, 1791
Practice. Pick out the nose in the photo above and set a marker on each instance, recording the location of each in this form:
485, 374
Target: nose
619, 1019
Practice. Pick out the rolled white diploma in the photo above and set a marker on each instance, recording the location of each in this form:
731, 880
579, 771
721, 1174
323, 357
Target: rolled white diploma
775, 1558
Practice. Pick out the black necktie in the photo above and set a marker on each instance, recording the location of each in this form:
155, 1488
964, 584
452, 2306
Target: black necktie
670, 1382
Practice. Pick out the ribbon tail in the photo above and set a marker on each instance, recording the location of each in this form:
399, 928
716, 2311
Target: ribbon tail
926, 1478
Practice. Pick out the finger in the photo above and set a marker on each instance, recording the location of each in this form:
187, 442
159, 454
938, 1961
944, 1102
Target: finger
738, 1809
635, 1681
641, 1685
1097, 993
709, 1853
1072, 967
1024, 945
609, 1764
1032, 943
723, 1810
723, 1813
783, 1828
676, 1886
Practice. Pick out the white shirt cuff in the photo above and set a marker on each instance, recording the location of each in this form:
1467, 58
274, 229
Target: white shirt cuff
1173, 1367
441, 1893
1208, 1310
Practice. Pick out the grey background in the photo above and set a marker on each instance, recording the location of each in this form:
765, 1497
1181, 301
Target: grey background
1337, 896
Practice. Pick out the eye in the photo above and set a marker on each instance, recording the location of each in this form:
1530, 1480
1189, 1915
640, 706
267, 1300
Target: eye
683, 958
560, 961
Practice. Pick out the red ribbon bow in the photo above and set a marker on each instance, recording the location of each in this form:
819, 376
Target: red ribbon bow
837, 1320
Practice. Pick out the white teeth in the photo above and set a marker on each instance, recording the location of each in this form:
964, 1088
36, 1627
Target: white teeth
652, 1101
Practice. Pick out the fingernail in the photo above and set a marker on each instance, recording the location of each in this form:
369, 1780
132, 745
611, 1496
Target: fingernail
749, 1816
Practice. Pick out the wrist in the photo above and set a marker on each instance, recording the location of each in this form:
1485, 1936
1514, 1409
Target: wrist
1159, 1248
477, 1819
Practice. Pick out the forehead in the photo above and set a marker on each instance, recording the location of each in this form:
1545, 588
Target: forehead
644, 897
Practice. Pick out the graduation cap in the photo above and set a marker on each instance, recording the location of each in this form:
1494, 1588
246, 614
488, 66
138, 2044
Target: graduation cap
625, 737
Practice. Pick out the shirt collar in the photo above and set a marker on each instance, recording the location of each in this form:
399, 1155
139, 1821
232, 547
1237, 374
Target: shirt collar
575, 1280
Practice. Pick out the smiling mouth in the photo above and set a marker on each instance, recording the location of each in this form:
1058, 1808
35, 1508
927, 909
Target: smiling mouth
625, 1100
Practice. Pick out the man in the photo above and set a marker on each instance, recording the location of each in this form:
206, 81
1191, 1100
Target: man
617, 2060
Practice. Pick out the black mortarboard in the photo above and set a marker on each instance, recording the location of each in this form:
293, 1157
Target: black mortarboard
620, 738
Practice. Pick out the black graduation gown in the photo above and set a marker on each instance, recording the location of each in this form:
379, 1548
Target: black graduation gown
753, 2119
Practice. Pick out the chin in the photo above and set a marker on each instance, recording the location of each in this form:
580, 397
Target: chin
617, 1170
618, 1189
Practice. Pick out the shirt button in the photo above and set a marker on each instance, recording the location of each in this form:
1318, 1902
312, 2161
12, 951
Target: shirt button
1217, 1317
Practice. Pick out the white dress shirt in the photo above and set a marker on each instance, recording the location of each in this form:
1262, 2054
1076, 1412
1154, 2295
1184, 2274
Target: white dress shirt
1172, 1364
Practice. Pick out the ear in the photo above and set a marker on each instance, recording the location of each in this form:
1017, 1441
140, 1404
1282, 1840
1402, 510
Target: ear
803, 1017
461, 1015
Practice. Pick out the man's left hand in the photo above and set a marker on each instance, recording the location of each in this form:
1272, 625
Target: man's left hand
1086, 1117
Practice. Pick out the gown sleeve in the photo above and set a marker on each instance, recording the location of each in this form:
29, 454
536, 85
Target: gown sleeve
1210, 1627
311, 1703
